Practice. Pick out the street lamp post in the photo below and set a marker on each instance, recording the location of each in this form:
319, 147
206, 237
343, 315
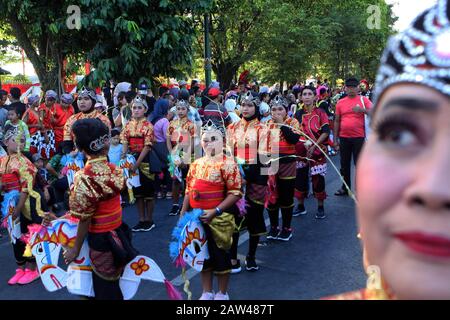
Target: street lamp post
207, 51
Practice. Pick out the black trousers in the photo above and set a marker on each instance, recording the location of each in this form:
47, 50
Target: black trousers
349, 147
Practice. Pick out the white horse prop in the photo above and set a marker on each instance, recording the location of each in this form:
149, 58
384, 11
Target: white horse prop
10, 200
46, 244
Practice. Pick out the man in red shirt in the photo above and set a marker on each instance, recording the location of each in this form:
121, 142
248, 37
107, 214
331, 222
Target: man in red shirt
349, 129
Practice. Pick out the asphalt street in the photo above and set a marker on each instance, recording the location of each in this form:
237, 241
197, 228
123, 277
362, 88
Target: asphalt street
323, 257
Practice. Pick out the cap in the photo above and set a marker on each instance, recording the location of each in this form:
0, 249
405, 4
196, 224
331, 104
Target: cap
182, 83
142, 89
213, 92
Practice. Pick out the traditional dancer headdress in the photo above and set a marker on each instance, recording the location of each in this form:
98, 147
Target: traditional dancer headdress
279, 101
248, 97
91, 135
210, 126
139, 101
87, 92
182, 103
421, 54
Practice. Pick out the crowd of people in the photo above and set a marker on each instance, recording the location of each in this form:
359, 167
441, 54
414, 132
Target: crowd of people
234, 154
273, 143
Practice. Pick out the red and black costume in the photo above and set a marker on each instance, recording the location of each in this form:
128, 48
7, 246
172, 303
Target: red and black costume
282, 183
313, 124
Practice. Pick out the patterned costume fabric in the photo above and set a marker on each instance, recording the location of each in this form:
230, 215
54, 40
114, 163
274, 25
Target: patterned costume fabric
284, 147
68, 135
98, 183
420, 54
11, 178
247, 139
181, 131
137, 134
32, 118
96, 194
248, 142
208, 182
312, 125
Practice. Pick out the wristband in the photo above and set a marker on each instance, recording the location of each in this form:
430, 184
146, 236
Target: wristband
218, 211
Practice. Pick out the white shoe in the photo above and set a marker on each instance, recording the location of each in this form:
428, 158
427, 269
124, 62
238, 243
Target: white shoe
207, 296
220, 296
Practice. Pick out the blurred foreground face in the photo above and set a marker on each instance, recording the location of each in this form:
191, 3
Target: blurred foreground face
212, 143
403, 190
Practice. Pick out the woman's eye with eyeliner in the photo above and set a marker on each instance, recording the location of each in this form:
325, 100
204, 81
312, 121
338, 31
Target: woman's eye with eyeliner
397, 132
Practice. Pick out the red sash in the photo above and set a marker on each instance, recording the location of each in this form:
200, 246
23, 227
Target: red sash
286, 148
136, 144
206, 195
10, 181
108, 216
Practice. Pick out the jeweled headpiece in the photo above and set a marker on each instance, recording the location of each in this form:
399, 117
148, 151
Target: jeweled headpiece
86, 92
249, 97
421, 54
182, 103
210, 126
278, 101
139, 101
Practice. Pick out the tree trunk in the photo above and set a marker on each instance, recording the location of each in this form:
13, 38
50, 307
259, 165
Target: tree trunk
49, 79
225, 71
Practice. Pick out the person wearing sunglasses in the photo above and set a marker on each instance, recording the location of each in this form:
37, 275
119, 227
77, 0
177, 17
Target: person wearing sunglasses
137, 138
214, 184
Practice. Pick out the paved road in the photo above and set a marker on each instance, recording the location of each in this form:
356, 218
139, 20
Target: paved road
323, 258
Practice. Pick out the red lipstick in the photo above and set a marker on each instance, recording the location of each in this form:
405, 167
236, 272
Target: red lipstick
427, 244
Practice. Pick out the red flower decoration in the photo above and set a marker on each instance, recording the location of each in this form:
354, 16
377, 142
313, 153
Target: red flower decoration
140, 266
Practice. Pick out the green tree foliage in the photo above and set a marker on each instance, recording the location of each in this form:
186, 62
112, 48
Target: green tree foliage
9, 50
234, 33
293, 39
126, 40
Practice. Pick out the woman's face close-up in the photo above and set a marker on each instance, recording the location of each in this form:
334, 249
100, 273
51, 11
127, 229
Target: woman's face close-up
403, 191
138, 111
84, 103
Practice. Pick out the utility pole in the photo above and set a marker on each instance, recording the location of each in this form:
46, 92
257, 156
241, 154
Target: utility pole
207, 51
